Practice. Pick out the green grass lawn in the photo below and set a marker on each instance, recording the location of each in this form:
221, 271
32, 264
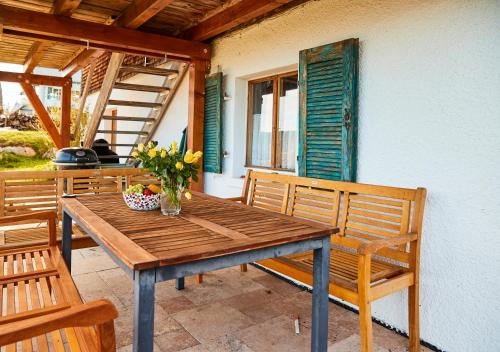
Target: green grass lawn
13, 162
37, 140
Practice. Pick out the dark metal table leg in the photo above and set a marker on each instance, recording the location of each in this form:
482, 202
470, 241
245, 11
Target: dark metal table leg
179, 283
144, 310
67, 229
319, 334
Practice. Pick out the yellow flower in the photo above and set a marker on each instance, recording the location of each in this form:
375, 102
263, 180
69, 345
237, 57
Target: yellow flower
140, 147
189, 157
188, 195
173, 147
197, 156
163, 153
152, 153
135, 154
179, 165
151, 144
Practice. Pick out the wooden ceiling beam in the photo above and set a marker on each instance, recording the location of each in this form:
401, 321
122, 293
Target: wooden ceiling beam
30, 78
117, 39
38, 49
135, 15
139, 12
240, 13
65, 7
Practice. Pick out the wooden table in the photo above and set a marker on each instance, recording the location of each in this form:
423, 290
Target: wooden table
210, 234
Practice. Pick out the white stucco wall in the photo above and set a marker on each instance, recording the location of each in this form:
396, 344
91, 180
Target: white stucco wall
429, 115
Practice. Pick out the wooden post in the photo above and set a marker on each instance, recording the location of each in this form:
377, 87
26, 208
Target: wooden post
112, 71
196, 113
42, 113
65, 128
83, 99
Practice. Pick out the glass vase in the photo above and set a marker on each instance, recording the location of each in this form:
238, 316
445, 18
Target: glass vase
170, 198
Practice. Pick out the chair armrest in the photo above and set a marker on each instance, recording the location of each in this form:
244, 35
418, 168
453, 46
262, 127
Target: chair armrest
49, 216
37, 215
374, 246
235, 199
90, 314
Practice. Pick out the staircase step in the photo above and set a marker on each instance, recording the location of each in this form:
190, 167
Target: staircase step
141, 104
140, 87
128, 118
149, 70
123, 132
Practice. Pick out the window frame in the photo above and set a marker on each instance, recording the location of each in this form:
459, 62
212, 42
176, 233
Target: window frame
274, 138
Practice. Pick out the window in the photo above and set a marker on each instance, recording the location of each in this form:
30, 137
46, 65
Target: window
272, 122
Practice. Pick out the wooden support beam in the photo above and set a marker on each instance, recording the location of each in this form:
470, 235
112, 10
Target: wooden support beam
136, 14
196, 113
39, 48
140, 11
42, 114
107, 85
65, 128
65, 7
113, 38
83, 100
35, 55
33, 79
241, 12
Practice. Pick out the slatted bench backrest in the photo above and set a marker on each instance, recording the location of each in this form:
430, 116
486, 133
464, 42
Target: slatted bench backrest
267, 191
362, 212
25, 192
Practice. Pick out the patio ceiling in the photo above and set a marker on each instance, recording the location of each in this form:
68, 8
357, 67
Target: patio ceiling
193, 20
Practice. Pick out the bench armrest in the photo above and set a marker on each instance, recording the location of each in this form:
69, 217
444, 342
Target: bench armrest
49, 216
374, 246
97, 313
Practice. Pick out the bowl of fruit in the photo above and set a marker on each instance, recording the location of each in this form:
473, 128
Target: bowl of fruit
140, 197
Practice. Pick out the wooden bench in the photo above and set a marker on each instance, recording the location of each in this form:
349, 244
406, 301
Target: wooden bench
43, 308
377, 251
23, 192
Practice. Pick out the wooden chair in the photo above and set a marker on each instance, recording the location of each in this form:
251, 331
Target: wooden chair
43, 307
376, 252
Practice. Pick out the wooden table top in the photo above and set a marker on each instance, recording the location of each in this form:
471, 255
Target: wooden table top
207, 227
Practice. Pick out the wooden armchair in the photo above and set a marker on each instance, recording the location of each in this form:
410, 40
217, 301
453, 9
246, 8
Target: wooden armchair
42, 301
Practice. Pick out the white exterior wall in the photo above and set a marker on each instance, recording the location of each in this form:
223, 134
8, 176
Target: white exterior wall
429, 115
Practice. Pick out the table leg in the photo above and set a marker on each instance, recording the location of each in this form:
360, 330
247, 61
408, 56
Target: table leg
67, 229
179, 283
144, 310
319, 334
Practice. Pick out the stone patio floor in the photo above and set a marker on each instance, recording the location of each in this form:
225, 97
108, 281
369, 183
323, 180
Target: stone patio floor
231, 311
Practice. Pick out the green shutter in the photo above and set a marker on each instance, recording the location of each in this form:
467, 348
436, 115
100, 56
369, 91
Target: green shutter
212, 141
328, 126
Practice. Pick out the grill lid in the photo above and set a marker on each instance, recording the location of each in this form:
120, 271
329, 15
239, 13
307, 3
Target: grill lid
76, 156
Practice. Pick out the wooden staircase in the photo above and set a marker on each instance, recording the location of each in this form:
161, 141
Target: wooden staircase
137, 126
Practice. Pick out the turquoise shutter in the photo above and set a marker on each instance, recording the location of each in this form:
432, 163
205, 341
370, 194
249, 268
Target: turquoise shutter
328, 80
212, 141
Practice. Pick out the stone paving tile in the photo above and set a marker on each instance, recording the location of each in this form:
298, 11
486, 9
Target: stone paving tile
277, 285
176, 340
208, 322
352, 343
275, 335
220, 285
176, 304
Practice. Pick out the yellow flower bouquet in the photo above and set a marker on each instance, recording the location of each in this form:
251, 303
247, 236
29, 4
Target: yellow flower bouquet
174, 169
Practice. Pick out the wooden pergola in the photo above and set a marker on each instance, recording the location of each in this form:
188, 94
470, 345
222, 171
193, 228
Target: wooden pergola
69, 35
